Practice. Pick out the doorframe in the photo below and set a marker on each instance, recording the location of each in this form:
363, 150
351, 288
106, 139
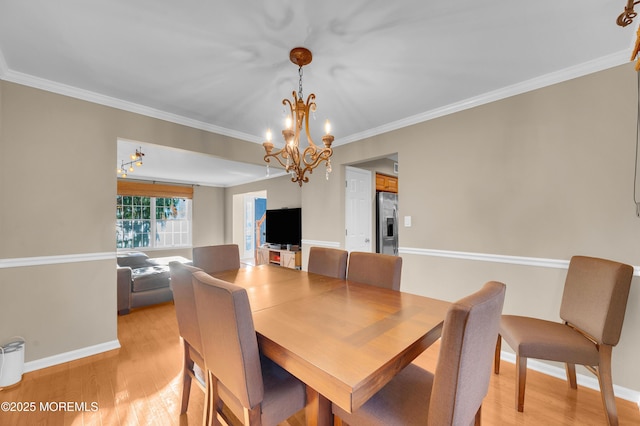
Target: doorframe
347, 208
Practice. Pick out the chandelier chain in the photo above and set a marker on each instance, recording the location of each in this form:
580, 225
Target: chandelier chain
300, 83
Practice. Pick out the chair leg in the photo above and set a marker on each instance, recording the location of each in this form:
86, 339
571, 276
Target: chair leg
496, 359
212, 401
206, 415
252, 416
521, 381
478, 419
571, 375
187, 367
606, 385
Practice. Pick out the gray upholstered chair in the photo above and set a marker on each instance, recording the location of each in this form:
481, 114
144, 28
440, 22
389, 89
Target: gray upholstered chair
328, 261
255, 389
212, 259
593, 308
382, 270
185, 306
454, 395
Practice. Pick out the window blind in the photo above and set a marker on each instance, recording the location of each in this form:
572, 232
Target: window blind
154, 190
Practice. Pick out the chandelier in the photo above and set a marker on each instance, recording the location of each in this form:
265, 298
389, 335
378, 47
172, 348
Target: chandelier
128, 166
295, 162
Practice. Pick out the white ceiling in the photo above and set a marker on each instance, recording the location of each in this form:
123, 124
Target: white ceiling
378, 65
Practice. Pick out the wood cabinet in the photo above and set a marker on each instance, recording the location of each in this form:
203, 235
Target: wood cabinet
386, 183
281, 257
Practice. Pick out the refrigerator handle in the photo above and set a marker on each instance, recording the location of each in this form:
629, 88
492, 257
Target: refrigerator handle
395, 231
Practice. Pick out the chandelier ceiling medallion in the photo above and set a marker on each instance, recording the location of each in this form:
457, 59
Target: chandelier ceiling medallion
128, 166
295, 162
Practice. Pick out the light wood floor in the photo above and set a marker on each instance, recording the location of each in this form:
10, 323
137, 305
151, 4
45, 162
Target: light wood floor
139, 384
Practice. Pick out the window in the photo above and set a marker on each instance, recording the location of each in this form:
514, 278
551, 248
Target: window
152, 222
161, 218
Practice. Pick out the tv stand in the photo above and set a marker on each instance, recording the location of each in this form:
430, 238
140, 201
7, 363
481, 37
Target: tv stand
280, 257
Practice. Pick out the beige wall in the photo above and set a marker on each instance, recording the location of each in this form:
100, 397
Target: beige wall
208, 216
543, 175
58, 186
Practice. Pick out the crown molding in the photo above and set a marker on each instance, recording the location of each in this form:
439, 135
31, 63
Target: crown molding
566, 74
97, 98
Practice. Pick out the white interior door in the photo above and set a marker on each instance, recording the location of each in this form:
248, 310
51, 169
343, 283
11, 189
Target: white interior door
358, 207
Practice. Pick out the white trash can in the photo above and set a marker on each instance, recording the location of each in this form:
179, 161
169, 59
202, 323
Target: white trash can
11, 362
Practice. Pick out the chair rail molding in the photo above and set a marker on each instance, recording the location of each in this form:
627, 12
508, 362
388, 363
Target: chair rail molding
328, 244
497, 258
19, 262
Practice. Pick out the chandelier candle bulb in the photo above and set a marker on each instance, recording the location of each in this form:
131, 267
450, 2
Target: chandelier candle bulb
327, 127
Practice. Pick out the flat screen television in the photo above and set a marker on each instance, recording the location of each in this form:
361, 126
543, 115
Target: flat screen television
284, 226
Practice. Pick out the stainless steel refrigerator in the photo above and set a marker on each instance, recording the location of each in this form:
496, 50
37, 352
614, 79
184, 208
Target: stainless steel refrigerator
387, 223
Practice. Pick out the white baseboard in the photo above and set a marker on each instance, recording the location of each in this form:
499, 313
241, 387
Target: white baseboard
590, 382
70, 356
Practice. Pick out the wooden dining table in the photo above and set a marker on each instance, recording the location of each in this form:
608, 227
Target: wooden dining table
345, 340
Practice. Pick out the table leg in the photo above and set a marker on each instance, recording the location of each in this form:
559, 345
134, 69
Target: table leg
318, 409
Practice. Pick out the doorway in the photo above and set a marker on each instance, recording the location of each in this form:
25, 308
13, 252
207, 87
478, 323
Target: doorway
387, 165
248, 223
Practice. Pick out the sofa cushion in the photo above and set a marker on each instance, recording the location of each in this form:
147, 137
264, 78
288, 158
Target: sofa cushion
133, 259
150, 277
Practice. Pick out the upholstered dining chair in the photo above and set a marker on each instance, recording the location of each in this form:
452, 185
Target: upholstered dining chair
328, 261
212, 259
382, 270
255, 389
454, 394
185, 306
592, 309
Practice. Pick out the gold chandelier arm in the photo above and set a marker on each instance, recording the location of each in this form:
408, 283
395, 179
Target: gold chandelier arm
626, 17
310, 107
276, 155
316, 156
286, 101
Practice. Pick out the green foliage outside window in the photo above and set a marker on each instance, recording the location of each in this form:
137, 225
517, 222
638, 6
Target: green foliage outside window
170, 226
